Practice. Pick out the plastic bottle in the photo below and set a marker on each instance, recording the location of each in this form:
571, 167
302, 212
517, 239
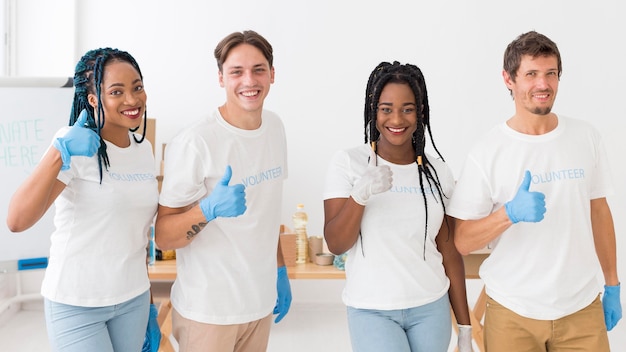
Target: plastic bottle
300, 220
151, 247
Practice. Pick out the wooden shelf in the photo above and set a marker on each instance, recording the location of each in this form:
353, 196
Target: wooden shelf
162, 270
165, 270
314, 271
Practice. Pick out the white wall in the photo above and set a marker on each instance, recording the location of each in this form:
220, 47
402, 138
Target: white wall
325, 50
43, 34
3, 26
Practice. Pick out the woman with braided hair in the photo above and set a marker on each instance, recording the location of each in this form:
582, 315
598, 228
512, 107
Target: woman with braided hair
101, 177
385, 205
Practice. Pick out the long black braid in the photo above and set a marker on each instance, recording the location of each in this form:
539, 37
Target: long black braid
409, 74
88, 80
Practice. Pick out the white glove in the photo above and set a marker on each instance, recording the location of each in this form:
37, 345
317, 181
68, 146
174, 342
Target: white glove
377, 179
465, 338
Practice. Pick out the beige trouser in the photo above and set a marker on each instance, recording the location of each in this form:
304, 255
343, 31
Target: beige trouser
506, 331
193, 336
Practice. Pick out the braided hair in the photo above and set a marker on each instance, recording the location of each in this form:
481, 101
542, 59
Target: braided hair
88, 80
411, 75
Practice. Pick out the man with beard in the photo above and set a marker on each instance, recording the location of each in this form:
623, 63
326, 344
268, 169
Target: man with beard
534, 190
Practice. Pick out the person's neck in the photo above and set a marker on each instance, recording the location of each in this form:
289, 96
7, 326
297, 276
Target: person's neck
399, 155
533, 124
245, 120
119, 137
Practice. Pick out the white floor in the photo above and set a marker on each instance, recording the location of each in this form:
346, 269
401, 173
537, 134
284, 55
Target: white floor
307, 327
24, 330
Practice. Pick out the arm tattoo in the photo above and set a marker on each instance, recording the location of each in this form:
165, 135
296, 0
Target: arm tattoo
195, 229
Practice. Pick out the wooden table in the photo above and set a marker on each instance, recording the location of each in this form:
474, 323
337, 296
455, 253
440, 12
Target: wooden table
162, 270
165, 270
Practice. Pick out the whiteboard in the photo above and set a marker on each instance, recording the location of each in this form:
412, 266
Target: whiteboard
29, 118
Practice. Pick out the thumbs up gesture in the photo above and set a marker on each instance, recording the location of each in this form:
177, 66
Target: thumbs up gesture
225, 200
526, 206
78, 141
377, 179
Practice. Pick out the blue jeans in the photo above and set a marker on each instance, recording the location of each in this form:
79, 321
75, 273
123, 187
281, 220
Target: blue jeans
116, 328
427, 328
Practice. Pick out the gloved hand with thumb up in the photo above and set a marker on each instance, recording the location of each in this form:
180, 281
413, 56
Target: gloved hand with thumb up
377, 179
78, 141
225, 200
526, 206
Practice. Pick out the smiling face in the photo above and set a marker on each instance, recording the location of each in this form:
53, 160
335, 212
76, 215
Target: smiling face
396, 120
123, 99
536, 84
246, 76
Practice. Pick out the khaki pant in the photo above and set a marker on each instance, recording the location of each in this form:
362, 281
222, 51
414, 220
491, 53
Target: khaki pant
193, 336
506, 331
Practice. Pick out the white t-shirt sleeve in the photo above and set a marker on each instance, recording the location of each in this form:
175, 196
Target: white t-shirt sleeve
183, 173
338, 177
470, 200
602, 185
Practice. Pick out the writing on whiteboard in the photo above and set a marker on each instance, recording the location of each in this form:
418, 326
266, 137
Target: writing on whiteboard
21, 142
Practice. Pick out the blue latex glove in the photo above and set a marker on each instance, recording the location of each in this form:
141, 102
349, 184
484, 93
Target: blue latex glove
79, 140
224, 201
153, 333
283, 302
612, 306
526, 206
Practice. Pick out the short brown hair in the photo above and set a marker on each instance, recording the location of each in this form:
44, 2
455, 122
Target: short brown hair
530, 43
234, 39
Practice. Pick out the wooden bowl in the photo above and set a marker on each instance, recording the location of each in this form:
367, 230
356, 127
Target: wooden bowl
324, 258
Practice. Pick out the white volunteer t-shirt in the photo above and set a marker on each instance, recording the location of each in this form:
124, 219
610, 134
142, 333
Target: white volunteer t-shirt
227, 274
387, 269
98, 249
549, 269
